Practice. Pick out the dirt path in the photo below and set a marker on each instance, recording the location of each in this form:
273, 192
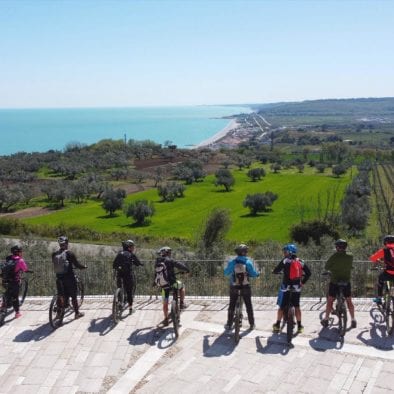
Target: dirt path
27, 213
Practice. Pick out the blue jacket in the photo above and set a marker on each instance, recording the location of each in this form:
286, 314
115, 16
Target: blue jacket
229, 270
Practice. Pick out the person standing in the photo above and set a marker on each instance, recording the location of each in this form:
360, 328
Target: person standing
12, 279
295, 273
64, 261
123, 266
340, 265
240, 269
385, 255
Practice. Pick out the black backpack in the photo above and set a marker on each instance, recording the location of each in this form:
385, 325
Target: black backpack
8, 270
389, 256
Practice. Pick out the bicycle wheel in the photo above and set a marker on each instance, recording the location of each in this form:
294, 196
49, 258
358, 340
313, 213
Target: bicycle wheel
56, 315
389, 315
23, 290
80, 292
175, 317
290, 324
117, 305
237, 320
3, 311
342, 317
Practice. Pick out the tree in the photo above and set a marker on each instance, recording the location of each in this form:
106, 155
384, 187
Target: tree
314, 230
225, 178
255, 174
338, 170
259, 202
140, 210
170, 191
113, 200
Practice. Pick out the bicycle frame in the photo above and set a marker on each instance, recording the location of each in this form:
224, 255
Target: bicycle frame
238, 315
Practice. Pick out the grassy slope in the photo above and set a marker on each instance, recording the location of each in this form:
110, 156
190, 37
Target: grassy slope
183, 217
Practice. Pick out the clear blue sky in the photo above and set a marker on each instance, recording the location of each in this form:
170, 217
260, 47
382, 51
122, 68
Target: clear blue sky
136, 53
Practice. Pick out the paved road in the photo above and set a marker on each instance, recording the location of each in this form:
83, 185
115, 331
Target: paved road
91, 355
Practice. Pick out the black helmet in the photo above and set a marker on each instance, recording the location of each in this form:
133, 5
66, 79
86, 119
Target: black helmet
341, 243
16, 249
127, 244
241, 249
62, 240
388, 239
164, 251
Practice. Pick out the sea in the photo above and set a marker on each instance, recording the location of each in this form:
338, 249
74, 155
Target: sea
41, 130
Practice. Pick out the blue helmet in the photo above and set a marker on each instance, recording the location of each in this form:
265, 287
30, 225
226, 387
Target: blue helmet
291, 248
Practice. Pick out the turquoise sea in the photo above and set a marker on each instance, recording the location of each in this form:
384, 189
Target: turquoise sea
40, 130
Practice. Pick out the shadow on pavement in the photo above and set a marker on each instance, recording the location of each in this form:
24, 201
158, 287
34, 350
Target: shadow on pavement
378, 336
38, 334
162, 337
328, 339
275, 345
223, 345
102, 325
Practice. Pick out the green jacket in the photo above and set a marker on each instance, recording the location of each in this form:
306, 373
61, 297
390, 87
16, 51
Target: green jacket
340, 264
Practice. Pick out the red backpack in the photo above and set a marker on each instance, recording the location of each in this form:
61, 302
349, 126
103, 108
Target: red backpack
295, 272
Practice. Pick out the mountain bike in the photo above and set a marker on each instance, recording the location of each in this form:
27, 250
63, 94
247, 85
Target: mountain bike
340, 309
175, 310
119, 302
386, 308
7, 303
238, 315
289, 314
58, 309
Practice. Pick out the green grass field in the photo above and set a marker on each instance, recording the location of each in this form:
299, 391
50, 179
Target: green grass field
299, 196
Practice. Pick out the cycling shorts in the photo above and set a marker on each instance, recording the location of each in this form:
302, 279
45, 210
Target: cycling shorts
333, 289
295, 299
165, 292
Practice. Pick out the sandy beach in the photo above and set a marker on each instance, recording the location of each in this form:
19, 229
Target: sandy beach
219, 135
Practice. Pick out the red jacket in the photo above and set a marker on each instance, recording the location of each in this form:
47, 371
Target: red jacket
379, 255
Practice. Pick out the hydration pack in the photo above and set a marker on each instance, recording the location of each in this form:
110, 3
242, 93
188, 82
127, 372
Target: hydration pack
161, 274
8, 270
60, 262
295, 272
389, 257
240, 274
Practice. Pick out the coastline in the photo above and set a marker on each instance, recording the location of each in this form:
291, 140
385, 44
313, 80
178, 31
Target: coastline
233, 124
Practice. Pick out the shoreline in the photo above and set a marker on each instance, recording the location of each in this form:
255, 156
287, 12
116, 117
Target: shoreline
233, 124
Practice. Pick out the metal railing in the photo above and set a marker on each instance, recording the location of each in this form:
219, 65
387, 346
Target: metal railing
205, 279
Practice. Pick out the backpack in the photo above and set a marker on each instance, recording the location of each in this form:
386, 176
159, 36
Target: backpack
295, 272
240, 274
389, 257
60, 262
161, 274
8, 270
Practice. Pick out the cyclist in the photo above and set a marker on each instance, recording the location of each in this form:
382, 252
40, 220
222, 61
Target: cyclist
285, 266
12, 281
64, 261
166, 279
385, 254
123, 266
340, 265
240, 269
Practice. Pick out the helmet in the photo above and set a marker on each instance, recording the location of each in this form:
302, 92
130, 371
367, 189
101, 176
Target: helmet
388, 239
241, 248
127, 244
62, 240
16, 249
291, 248
164, 251
341, 243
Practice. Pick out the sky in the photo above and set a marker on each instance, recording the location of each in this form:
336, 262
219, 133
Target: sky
167, 53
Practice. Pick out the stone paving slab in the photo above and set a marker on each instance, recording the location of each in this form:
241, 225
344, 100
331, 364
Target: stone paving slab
91, 355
